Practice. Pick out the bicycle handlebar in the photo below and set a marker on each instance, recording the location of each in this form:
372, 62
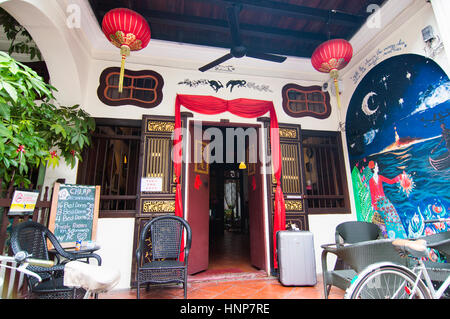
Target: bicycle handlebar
24, 257
40, 262
23, 260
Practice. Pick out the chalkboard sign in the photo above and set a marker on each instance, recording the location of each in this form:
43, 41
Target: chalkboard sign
74, 213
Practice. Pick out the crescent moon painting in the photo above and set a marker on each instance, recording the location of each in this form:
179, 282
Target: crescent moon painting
365, 104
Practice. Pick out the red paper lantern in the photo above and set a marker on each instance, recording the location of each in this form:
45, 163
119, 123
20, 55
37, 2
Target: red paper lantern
127, 30
332, 56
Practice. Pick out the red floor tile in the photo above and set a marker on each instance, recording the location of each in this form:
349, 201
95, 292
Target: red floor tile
228, 254
269, 288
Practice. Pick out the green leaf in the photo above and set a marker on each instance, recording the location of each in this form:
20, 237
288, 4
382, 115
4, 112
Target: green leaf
13, 162
80, 140
6, 162
5, 111
86, 139
74, 139
4, 58
32, 53
4, 131
11, 90
13, 68
57, 128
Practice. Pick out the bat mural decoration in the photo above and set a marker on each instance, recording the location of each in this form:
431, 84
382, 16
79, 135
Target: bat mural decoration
217, 85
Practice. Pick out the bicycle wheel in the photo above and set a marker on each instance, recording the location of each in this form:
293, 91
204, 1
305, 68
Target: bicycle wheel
388, 282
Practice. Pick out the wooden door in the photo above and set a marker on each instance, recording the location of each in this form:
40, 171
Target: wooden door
292, 180
198, 205
155, 163
293, 177
256, 212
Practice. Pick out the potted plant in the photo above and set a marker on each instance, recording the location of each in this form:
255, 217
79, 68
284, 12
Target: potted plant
35, 132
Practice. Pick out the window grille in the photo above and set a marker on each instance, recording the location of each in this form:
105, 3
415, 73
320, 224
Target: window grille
301, 101
326, 181
140, 88
112, 162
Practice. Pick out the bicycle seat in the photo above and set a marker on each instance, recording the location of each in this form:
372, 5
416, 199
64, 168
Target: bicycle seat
91, 277
416, 248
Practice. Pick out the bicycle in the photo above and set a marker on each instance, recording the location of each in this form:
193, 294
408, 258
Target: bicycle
386, 280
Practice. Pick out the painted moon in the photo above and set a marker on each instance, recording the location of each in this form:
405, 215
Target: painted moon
365, 104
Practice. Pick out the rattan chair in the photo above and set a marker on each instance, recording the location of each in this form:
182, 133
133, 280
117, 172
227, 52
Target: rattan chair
358, 256
32, 237
346, 233
163, 264
355, 232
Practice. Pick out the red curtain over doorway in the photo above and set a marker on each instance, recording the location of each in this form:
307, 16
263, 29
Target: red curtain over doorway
247, 108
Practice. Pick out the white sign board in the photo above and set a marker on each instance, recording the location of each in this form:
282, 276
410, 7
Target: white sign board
151, 184
23, 201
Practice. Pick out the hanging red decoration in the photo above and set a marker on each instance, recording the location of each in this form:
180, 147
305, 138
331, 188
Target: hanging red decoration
330, 57
128, 31
242, 107
198, 182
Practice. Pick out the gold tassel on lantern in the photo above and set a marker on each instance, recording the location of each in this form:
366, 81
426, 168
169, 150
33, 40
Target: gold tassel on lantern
124, 51
334, 74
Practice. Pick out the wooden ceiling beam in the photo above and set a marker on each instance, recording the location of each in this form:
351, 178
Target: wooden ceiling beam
216, 25
298, 51
302, 12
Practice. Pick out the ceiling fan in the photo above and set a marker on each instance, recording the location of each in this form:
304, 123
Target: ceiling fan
238, 50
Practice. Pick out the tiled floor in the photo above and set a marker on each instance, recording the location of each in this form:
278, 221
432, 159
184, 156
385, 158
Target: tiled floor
230, 276
267, 288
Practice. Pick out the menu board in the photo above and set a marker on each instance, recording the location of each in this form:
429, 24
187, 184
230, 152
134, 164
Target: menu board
74, 213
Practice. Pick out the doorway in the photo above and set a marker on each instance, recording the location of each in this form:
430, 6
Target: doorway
225, 203
229, 234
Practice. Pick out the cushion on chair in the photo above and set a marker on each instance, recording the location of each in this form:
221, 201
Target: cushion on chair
92, 277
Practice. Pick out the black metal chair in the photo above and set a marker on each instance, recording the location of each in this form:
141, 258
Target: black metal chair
163, 265
32, 237
346, 233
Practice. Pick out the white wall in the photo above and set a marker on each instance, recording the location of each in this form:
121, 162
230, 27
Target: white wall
76, 58
171, 87
115, 237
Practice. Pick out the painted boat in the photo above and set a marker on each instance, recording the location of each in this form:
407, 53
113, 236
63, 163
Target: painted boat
440, 163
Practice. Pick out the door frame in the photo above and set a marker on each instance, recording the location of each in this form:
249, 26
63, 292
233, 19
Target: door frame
262, 147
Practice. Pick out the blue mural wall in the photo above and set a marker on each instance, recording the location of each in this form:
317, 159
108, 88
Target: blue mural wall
398, 138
